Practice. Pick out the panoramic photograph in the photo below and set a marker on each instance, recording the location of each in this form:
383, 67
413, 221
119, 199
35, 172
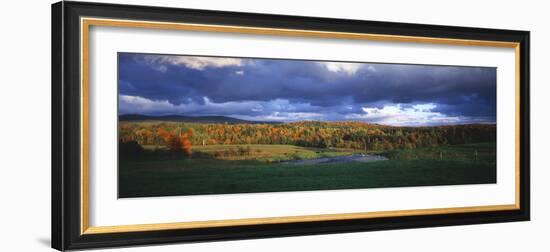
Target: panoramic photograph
197, 125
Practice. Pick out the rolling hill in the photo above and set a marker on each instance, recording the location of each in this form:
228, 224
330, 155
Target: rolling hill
182, 118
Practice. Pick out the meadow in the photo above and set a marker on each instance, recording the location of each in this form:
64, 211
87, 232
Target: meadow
151, 168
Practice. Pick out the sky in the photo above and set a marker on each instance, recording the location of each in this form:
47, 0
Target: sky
286, 90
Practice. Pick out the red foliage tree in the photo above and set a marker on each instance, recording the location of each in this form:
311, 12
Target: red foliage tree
179, 143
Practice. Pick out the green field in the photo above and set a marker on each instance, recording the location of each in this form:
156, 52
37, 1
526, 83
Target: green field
222, 169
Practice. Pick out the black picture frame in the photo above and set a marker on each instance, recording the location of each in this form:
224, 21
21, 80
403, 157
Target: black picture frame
66, 114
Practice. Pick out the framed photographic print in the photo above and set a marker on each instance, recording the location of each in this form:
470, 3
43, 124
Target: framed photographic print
180, 125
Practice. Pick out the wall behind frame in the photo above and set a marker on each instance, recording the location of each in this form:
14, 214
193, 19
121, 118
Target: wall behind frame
25, 125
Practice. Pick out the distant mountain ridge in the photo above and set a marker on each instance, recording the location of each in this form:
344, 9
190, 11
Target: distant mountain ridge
190, 119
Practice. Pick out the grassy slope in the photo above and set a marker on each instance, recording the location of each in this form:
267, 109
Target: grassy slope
273, 152
421, 167
264, 152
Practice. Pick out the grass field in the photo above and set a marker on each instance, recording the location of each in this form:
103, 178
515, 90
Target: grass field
270, 153
257, 168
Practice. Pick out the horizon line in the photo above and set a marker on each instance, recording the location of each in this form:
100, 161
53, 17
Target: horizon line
308, 120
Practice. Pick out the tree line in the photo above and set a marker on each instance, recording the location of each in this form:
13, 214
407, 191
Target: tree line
349, 135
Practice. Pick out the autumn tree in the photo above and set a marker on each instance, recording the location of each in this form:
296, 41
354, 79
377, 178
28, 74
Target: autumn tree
177, 143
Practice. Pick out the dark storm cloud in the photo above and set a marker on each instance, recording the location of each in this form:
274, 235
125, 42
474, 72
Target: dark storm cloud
336, 89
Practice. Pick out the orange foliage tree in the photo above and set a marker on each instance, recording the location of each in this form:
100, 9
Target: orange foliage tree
177, 142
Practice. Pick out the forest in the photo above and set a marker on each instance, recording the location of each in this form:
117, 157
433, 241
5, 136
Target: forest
366, 137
